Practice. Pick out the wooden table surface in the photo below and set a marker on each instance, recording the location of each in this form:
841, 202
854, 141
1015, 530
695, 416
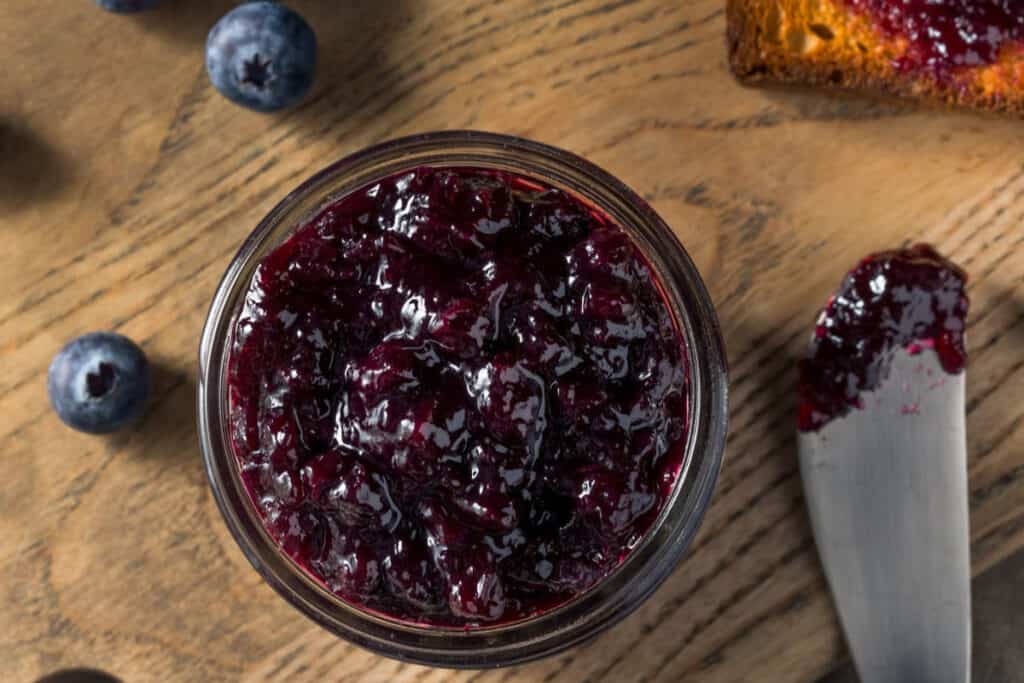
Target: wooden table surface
127, 184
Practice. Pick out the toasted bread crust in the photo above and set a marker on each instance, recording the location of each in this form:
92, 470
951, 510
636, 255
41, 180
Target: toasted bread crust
821, 43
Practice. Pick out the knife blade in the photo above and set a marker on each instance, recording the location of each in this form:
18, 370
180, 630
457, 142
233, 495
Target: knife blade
886, 489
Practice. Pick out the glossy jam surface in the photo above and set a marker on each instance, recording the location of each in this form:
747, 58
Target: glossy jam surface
944, 35
912, 299
457, 397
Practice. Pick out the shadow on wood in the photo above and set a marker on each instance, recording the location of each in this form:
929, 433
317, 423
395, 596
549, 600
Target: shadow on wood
169, 425
184, 20
356, 42
78, 676
30, 168
359, 67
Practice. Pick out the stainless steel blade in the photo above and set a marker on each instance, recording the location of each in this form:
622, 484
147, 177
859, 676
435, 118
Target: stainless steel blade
886, 487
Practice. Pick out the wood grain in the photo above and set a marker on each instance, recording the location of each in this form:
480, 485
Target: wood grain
126, 185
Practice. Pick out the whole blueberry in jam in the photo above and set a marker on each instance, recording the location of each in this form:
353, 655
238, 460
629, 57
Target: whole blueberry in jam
457, 396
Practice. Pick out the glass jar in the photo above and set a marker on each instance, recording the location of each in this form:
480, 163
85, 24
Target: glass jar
655, 556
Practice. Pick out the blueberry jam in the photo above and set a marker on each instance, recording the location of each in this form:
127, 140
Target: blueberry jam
944, 35
457, 397
912, 299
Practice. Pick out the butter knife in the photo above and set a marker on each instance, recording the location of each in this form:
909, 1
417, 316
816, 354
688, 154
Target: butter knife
886, 488
885, 476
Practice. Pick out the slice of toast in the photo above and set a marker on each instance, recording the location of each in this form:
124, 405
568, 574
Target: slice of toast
829, 43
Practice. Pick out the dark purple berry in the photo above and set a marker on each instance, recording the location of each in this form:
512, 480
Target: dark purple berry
127, 6
99, 383
262, 55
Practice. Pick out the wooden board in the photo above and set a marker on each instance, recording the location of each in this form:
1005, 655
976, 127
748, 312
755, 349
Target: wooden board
127, 183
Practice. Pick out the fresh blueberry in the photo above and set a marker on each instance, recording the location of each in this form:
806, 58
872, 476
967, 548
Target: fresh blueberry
262, 55
127, 6
99, 382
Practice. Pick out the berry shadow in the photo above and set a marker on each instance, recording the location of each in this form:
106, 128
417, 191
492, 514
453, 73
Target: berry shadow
357, 44
356, 41
31, 169
168, 429
184, 20
78, 676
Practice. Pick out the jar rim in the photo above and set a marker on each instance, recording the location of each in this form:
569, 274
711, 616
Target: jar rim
662, 546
